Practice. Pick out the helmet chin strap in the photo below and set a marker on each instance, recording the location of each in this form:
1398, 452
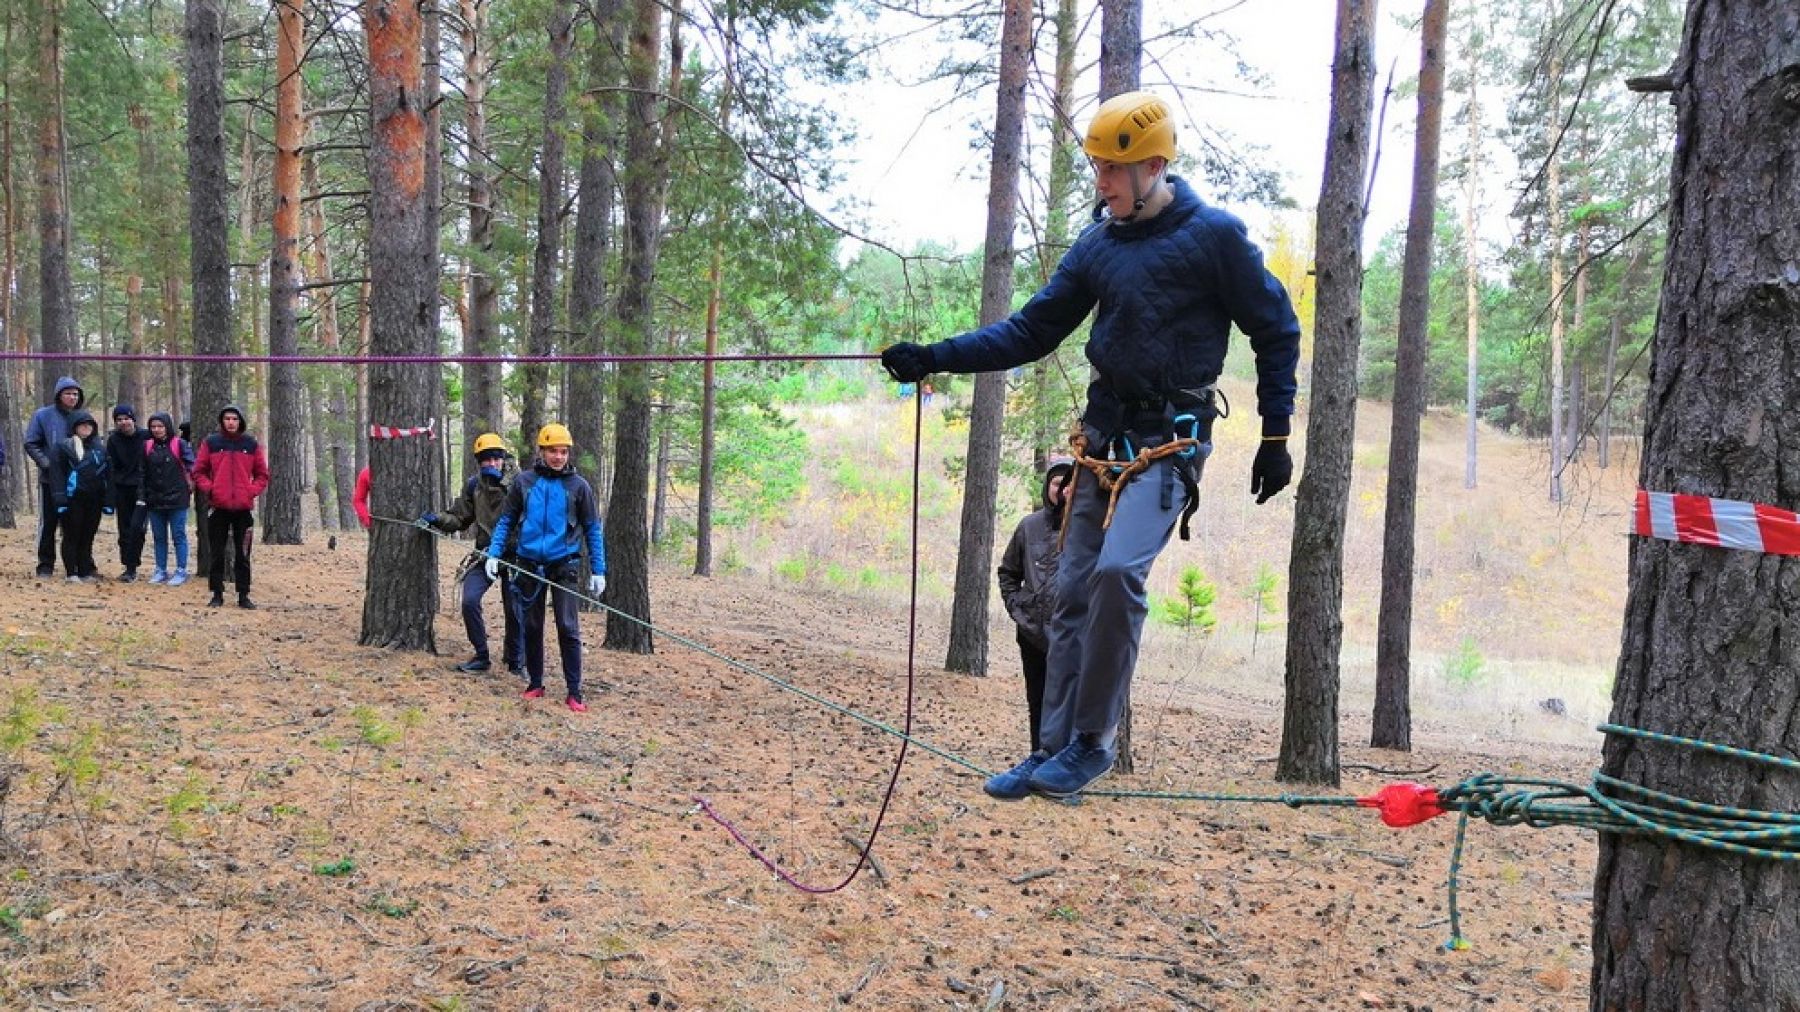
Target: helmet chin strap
1140, 194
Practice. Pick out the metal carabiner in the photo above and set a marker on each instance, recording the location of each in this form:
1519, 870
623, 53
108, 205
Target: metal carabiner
1193, 434
1130, 455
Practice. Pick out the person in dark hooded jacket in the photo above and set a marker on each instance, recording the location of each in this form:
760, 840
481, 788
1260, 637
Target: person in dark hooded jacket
168, 480
479, 507
125, 457
1027, 576
50, 426
1165, 276
232, 471
80, 468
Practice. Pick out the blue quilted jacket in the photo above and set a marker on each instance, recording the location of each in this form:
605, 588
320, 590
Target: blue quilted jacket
1168, 290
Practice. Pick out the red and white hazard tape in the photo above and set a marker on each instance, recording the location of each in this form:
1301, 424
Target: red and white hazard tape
428, 430
1722, 523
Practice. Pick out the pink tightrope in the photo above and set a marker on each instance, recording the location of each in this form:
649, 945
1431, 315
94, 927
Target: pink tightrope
912, 642
82, 356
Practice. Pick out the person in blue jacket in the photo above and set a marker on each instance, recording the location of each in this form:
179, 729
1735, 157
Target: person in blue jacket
1165, 276
551, 513
49, 426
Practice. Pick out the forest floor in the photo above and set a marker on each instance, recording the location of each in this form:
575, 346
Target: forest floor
222, 809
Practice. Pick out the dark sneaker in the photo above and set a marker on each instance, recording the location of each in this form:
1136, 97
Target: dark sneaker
575, 703
128, 576
218, 600
1014, 785
478, 664
516, 669
1079, 764
245, 602
533, 692
46, 572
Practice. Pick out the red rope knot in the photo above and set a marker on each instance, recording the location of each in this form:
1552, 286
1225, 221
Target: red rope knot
1404, 804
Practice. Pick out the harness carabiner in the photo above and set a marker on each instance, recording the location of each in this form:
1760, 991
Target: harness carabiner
1193, 433
1130, 454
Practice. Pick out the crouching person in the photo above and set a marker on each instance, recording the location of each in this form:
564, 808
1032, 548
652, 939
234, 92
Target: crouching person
551, 509
482, 501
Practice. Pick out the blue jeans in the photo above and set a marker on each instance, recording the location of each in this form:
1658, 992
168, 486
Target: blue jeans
162, 522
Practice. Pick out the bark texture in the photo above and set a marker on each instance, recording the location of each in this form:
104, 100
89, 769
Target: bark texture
1711, 643
1309, 732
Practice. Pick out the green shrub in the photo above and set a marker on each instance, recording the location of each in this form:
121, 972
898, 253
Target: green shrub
1466, 666
1192, 605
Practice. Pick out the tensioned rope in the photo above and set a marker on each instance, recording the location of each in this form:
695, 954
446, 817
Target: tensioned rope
453, 359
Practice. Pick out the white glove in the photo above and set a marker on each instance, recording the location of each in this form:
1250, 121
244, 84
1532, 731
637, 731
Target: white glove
492, 568
596, 585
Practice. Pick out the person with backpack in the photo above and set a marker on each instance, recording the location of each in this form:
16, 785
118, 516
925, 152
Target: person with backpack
479, 506
80, 468
125, 449
550, 510
1027, 575
232, 472
49, 426
168, 481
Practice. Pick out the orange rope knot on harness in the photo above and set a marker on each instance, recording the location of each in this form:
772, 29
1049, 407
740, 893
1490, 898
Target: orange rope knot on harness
1114, 475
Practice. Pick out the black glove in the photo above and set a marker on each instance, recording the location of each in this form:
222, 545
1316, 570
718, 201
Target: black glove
908, 362
1273, 467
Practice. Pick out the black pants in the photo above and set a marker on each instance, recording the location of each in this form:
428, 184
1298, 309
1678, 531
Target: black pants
475, 587
133, 521
239, 525
48, 522
531, 594
80, 524
1035, 662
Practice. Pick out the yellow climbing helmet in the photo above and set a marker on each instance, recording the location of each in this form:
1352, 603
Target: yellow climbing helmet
1131, 127
489, 441
554, 434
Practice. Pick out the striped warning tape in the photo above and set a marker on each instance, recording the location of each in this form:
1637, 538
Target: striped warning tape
428, 430
1722, 523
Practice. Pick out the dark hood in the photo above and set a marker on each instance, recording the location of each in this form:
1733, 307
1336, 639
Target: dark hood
243, 421
80, 416
66, 383
168, 423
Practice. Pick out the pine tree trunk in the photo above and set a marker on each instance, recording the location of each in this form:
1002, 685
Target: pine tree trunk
1472, 270
131, 382
318, 426
208, 232
659, 505
483, 408
15, 487
287, 412
1392, 725
542, 338
593, 245
981, 482
1554, 237
645, 182
56, 302
1309, 732
401, 595
703, 513
1121, 46
336, 421
1709, 648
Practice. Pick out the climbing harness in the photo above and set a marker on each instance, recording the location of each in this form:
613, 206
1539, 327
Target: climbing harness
1187, 437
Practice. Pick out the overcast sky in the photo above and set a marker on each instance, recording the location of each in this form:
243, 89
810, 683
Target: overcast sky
923, 178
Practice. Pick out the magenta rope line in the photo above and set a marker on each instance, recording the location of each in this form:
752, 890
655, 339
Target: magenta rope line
77, 356
912, 643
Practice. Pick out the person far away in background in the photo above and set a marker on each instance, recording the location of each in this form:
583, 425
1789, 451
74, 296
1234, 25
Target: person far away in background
125, 457
232, 472
549, 511
49, 426
479, 506
79, 466
1166, 276
1027, 575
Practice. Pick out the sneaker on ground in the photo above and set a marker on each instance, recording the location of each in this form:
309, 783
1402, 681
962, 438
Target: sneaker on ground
245, 602
128, 576
159, 577
1014, 784
178, 577
477, 664
93, 578
534, 692
46, 572
218, 600
1078, 765
577, 705
74, 579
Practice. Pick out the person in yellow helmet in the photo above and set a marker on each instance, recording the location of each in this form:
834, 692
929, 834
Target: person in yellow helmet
479, 506
549, 511
1165, 277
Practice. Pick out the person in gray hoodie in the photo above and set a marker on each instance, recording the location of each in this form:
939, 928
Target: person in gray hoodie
50, 426
1027, 576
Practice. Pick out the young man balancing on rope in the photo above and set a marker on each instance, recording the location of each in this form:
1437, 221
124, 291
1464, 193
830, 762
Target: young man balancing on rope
1168, 276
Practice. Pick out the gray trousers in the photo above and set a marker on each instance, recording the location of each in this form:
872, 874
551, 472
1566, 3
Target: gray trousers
1101, 603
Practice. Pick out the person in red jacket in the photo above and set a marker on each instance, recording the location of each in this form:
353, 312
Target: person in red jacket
232, 472
360, 500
